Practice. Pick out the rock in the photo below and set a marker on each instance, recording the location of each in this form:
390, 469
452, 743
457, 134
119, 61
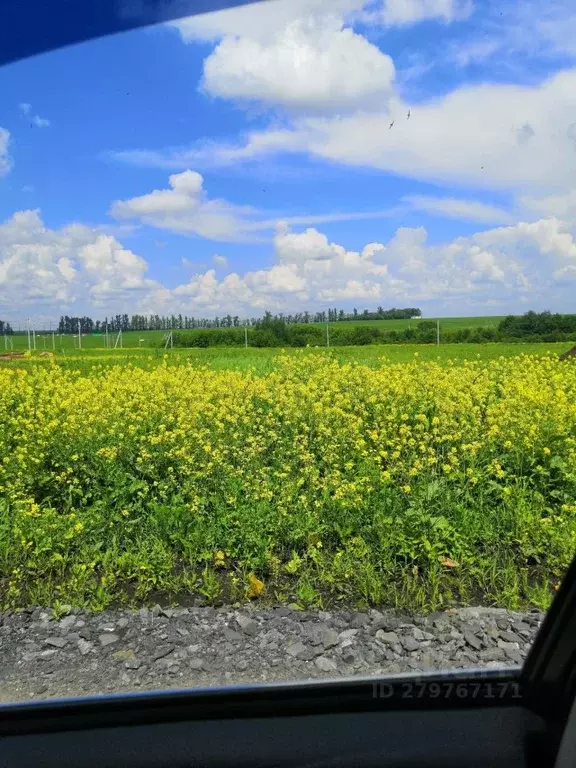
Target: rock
295, 649
232, 635
133, 663
492, 654
410, 643
108, 639
347, 634
247, 625
196, 664
84, 646
387, 637
326, 665
162, 651
515, 657
510, 637
28, 656
123, 622
472, 640
507, 646
329, 638
182, 631
56, 642
359, 620
67, 622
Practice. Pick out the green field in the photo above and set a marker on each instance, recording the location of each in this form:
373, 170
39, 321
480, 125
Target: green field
450, 323
153, 339
263, 361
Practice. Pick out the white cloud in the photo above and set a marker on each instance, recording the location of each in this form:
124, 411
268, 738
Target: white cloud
258, 21
82, 267
309, 64
39, 122
475, 135
521, 263
404, 12
57, 267
453, 208
112, 268
304, 54
516, 32
185, 208
562, 205
5, 159
220, 261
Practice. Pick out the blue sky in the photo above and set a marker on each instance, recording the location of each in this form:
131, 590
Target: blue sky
296, 154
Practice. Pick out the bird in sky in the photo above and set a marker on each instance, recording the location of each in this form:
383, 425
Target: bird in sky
391, 124
408, 115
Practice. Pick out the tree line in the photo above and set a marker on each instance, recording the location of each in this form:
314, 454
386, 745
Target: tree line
5, 328
125, 322
273, 331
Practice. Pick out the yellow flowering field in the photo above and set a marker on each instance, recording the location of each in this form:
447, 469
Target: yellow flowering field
411, 484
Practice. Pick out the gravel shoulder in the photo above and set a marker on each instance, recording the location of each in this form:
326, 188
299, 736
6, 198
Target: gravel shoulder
159, 648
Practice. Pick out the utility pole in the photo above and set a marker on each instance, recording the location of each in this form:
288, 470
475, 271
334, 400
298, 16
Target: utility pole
79, 336
53, 341
34, 337
246, 336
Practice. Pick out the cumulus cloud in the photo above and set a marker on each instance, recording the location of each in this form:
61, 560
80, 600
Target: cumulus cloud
58, 267
84, 267
185, 208
5, 159
309, 64
220, 261
523, 262
304, 54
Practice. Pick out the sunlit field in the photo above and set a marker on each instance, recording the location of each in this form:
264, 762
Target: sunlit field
263, 360
410, 476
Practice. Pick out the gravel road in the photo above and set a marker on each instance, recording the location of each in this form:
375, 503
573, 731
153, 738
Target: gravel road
79, 654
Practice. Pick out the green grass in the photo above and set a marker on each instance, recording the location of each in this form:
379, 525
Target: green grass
263, 360
449, 323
